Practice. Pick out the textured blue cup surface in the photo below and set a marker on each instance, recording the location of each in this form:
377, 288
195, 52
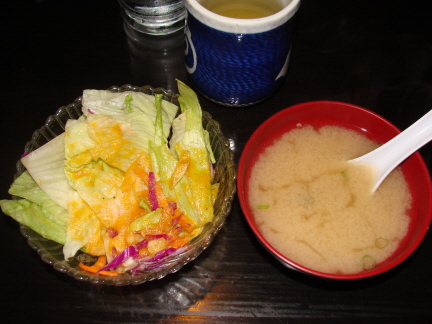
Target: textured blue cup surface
233, 68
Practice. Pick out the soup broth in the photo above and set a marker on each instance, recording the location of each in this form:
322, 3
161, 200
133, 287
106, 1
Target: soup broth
317, 209
243, 9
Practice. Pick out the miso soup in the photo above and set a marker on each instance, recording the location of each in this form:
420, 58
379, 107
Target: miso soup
317, 209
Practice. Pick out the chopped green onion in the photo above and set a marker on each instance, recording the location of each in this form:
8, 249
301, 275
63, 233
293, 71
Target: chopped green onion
263, 206
381, 243
128, 100
344, 175
368, 262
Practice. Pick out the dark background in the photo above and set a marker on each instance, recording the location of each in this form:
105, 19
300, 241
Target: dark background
375, 54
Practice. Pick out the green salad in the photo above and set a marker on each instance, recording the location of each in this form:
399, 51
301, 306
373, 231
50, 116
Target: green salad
129, 182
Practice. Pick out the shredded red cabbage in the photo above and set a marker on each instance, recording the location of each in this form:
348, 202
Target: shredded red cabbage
152, 191
112, 232
142, 244
161, 258
114, 252
175, 221
162, 254
173, 206
157, 236
130, 251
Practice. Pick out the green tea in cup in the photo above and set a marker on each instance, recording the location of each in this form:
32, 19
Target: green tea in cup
243, 9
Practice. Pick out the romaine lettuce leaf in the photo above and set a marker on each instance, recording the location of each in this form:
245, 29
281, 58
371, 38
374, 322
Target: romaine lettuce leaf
36, 210
105, 102
164, 165
194, 134
46, 166
83, 229
189, 136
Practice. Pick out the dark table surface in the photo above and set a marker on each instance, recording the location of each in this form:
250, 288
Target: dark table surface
375, 54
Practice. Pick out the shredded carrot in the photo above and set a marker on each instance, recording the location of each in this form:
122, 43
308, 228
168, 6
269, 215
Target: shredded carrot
180, 169
109, 273
180, 242
87, 268
99, 264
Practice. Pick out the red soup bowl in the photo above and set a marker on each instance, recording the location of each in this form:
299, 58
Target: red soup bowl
371, 125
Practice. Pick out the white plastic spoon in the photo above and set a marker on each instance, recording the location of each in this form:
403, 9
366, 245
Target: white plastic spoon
389, 155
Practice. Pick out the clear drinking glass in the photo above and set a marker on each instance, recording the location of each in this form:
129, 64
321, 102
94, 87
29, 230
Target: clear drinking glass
154, 17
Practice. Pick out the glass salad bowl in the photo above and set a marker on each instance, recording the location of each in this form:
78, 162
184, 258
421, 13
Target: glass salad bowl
52, 252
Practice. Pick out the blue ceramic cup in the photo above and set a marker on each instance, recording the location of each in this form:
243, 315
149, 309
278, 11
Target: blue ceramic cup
237, 62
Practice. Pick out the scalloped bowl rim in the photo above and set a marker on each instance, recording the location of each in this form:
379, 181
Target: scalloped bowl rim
196, 247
